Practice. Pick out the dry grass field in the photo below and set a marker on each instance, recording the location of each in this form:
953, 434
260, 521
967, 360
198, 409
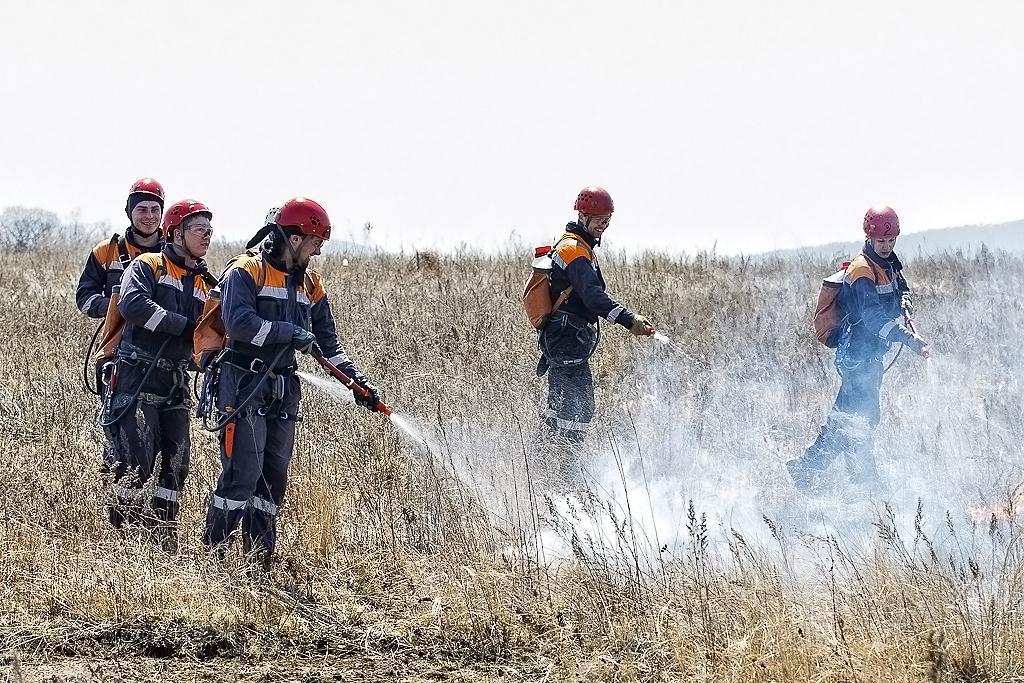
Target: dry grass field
690, 557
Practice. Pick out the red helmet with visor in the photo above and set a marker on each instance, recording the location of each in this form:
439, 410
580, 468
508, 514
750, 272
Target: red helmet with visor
179, 211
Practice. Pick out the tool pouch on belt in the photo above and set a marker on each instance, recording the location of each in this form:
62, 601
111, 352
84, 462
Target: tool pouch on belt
568, 339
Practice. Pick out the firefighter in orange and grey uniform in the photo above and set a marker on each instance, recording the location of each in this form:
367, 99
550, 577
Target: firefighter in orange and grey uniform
271, 306
106, 263
873, 297
570, 336
161, 299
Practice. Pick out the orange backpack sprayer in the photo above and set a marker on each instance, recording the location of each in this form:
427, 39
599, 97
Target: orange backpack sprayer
829, 317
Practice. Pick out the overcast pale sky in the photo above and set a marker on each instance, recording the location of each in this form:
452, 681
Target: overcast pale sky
751, 124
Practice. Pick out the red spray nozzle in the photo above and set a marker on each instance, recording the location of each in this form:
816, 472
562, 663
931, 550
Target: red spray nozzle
345, 379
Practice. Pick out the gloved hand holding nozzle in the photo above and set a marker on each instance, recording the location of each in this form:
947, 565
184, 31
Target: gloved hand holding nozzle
920, 346
303, 340
641, 326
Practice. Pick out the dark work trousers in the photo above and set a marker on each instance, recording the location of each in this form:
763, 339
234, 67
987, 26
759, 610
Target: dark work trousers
109, 433
256, 450
155, 427
849, 429
567, 342
570, 401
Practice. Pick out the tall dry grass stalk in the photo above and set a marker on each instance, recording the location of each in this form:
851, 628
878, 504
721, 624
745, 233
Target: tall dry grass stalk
690, 557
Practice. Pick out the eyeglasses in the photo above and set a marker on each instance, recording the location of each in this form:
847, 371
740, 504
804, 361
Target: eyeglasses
202, 232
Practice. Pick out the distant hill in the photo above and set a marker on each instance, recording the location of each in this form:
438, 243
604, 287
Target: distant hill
969, 238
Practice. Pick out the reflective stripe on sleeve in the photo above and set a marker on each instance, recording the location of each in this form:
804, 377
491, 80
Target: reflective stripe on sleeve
302, 298
261, 336
613, 315
264, 505
273, 292
155, 320
166, 494
886, 289
199, 294
338, 359
884, 331
89, 302
170, 281
227, 503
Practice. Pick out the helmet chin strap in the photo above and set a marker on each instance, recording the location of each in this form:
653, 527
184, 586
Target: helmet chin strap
292, 251
184, 247
144, 235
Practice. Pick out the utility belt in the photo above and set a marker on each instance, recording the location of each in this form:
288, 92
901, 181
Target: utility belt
133, 355
860, 351
215, 419
568, 339
118, 399
251, 363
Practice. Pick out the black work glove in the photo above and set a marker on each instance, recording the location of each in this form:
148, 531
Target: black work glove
302, 340
372, 397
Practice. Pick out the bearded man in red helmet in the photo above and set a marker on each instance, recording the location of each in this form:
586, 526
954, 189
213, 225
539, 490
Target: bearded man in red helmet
271, 305
147, 409
873, 297
569, 338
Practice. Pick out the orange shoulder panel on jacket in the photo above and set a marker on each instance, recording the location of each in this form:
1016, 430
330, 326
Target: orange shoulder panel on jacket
318, 287
152, 259
105, 253
572, 249
858, 268
250, 264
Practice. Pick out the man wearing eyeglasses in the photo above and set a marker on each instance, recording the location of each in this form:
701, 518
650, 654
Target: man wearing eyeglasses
161, 300
570, 336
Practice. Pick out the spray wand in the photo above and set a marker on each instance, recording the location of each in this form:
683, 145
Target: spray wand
337, 374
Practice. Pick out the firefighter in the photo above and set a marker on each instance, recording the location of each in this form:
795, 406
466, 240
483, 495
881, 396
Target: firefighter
161, 299
571, 334
271, 305
874, 298
107, 261
106, 264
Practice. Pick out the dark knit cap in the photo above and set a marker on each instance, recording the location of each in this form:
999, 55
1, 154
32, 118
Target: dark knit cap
135, 198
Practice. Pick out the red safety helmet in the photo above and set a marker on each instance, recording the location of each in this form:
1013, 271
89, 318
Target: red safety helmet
595, 200
148, 186
179, 211
881, 222
306, 216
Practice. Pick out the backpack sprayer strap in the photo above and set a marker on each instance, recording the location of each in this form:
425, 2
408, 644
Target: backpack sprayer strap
562, 298
567, 292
